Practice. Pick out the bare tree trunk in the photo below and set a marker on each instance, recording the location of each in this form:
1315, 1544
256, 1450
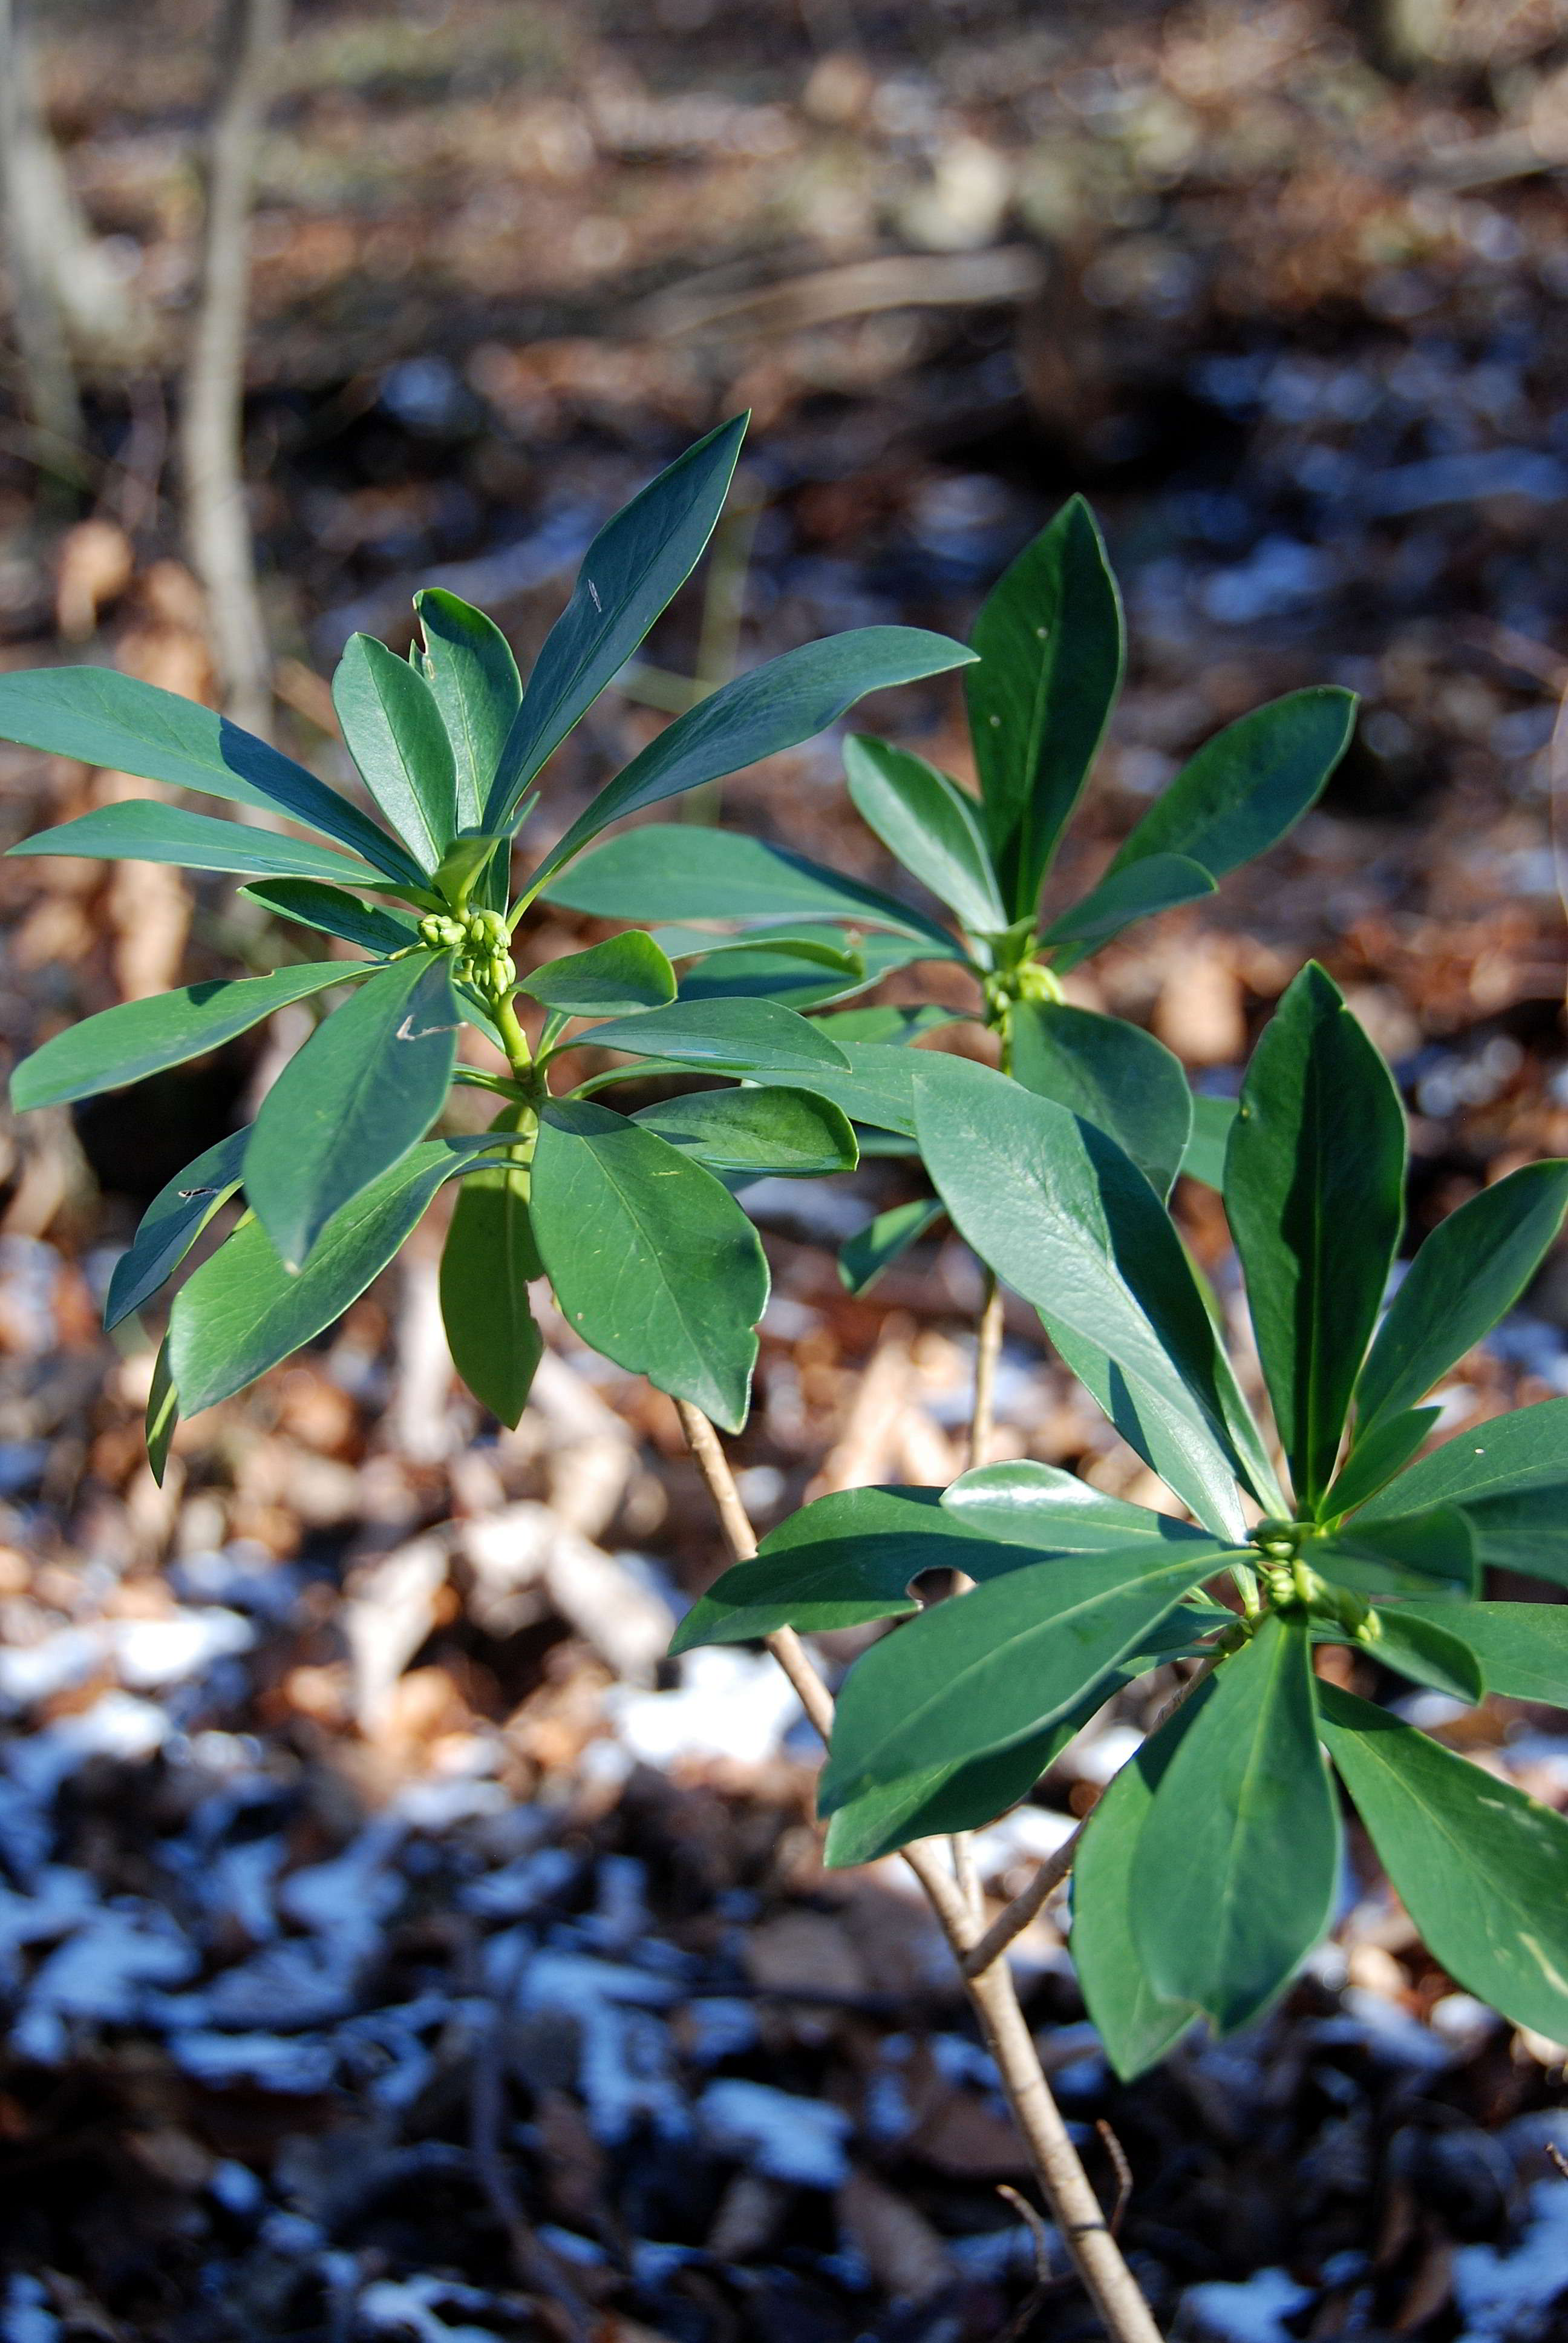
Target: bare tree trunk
48, 378
217, 524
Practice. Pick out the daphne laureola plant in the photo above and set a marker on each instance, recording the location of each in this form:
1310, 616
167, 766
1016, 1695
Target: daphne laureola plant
1208, 1870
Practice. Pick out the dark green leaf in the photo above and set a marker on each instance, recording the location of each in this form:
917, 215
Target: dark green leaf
989, 1668
1428, 1652
788, 1133
1314, 1192
468, 665
487, 1263
1063, 1215
395, 735
1511, 1478
928, 824
1523, 1648
102, 717
1040, 1506
162, 1414
1233, 1874
142, 1037
1375, 1458
727, 1037
1116, 1076
630, 572
141, 830
1250, 784
878, 1087
653, 1262
888, 1024
243, 1311
804, 975
615, 979
369, 1082
1481, 1869
1472, 1269
1431, 1552
335, 914
863, 1257
676, 870
776, 706
1157, 883
171, 1225
1136, 2027
463, 874
1050, 640
941, 1799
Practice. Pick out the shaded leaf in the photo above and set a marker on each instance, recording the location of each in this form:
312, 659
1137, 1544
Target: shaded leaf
1205, 1157
1508, 1476
1117, 1077
1314, 1192
162, 1414
1233, 1874
730, 1037
788, 1133
1481, 1869
653, 1262
473, 678
1521, 1647
1141, 892
1375, 1458
142, 1037
334, 913
863, 1257
1429, 1651
1135, 2025
1250, 784
1431, 1552
141, 830
171, 1225
616, 978
369, 1082
1049, 638
487, 1263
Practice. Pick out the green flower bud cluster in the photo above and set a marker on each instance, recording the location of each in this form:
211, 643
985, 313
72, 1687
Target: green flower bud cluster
482, 942
1293, 1586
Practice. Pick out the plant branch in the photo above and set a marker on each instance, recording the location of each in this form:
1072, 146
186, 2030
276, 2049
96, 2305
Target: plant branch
1057, 2167
988, 1350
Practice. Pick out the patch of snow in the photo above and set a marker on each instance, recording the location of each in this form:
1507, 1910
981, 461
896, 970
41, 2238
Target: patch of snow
780, 2135
720, 2028
102, 1975
1254, 2311
520, 1887
1506, 2294
26, 2315
266, 2061
152, 1653
730, 1703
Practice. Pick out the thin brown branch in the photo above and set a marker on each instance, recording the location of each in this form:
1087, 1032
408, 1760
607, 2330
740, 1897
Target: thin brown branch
1122, 2169
1058, 2167
48, 378
988, 1350
217, 521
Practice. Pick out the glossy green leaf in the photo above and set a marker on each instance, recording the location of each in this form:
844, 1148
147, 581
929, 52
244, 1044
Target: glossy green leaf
616, 979
786, 1133
1521, 1647
1314, 1192
171, 1225
1049, 638
1141, 892
1116, 1076
1508, 1476
941, 1799
394, 733
863, 1257
487, 1262
1026, 1503
1233, 1874
878, 1087
1136, 2027
368, 1084
1481, 1869
333, 913
1431, 1552
102, 717
1471, 1269
777, 705
990, 1667
652, 1261
142, 830
630, 572
1428, 1651
1250, 784
727, 1037
1376, 1457
142, 1037
928, 824
468, 665
797, 975
162, 1414
888, 1024
1067, 1219
1205, 1157
682, 871
464, 873
243, 1311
